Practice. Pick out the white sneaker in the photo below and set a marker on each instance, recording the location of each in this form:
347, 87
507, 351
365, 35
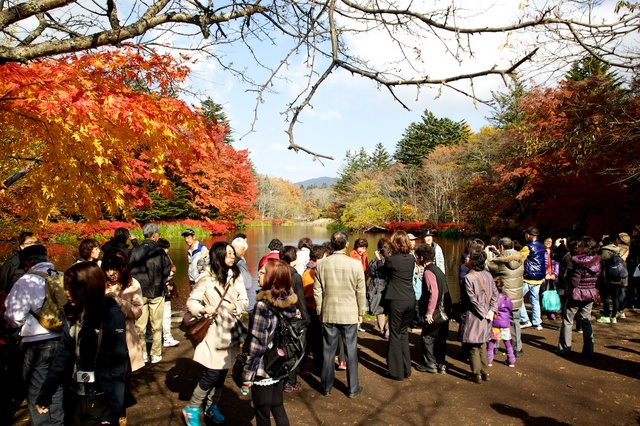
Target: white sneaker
525, 324
156, 359
539, 327
145, 358
170, 342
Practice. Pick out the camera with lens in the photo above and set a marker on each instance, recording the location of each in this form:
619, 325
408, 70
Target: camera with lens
85, 376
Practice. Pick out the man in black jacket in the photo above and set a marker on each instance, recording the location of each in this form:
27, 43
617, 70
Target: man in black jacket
151, 266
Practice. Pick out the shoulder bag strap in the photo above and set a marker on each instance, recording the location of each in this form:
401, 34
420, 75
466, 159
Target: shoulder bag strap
482, 284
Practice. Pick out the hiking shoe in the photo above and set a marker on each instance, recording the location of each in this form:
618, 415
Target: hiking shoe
156, 359
604, 320
539, 327
613, 320
525, 324
191, 416
170, 342
288, 387
213, 413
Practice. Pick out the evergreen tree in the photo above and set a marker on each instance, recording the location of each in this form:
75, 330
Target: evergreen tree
421, 138
506, 112
214, 111
380, 158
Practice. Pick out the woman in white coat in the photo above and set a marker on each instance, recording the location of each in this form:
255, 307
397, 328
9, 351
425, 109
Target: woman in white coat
218, 288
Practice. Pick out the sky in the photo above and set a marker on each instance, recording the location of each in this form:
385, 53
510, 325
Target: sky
350, 112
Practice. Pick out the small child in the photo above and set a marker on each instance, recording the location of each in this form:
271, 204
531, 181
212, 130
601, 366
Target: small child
501, 325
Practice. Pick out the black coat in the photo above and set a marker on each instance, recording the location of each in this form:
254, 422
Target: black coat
110, 366
151, 266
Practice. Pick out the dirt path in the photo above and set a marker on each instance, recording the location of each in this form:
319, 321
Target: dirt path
543, 389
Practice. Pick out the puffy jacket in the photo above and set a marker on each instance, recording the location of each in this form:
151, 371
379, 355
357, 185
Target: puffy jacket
584, 277
509, 266
505, 306
535, 265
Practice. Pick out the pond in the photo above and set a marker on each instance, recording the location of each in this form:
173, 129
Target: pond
258, 239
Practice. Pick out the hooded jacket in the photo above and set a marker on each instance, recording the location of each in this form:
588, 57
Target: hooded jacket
586, 269
535, 265
509, 266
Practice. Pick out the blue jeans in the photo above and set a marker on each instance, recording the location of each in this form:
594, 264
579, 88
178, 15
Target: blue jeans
38, 357
534, 299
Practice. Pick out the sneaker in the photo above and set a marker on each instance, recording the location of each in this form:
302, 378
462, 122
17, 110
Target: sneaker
156, 359
145, 358
342, 366
539, 327
613, 320
191, 416
170, 342
355, 393
288, 387
360, 328
519, 353
490, 364
213, 413
426, 369
512, 365
442, 369
579, 331
622, 315
525, 324
552, 317
604, 320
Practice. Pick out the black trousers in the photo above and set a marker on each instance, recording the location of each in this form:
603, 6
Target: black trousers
398, 354
434, 344
268, 400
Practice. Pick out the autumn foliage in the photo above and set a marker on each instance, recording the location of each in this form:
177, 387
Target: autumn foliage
95, 133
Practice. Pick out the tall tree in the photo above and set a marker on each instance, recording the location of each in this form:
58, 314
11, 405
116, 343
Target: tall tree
380, 158
506, 106
421, 138
77, 138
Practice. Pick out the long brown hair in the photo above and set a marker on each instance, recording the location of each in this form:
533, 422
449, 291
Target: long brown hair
277, 278
86, 284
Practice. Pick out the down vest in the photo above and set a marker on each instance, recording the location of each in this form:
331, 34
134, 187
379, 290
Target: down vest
535, 266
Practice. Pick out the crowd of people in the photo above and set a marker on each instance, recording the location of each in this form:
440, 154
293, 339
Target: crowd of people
117, 317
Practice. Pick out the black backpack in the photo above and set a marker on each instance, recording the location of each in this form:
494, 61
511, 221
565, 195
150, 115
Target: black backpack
617, 269
286, 346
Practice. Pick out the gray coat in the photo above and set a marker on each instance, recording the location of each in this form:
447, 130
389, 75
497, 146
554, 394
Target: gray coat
475, 328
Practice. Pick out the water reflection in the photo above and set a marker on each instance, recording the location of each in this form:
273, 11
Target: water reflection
258, 239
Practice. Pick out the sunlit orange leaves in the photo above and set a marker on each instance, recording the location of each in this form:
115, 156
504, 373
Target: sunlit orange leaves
101, 130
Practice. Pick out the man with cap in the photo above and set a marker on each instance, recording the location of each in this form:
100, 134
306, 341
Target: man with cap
535, 268
428, 240
39, 344
195, 252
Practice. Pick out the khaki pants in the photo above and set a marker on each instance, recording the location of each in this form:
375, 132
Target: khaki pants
152, 311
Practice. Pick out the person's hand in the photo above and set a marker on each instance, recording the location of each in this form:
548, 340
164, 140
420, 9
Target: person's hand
230, 307
209, 310
489, 315
41, 409
359, 319
429, 319
377, 253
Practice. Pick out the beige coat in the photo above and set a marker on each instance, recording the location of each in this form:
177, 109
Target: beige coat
207, 292
339, 289
130, 301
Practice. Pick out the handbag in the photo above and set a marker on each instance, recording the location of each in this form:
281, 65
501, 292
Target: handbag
198, 326
551, 300
238, 367
439, 316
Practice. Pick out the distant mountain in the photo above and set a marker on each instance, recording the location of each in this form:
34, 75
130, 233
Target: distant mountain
317, 182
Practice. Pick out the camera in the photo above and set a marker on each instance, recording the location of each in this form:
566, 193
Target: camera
85, 376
